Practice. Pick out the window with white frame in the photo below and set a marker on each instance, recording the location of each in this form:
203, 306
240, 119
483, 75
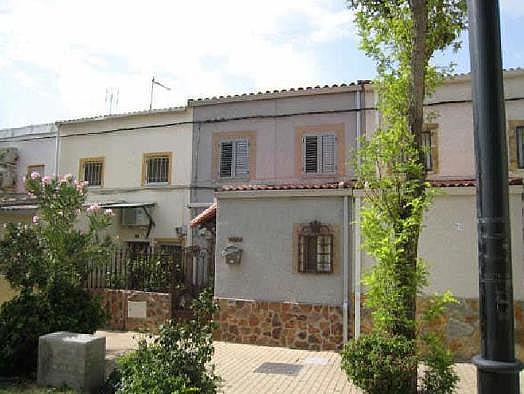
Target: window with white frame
319, 154
519, 131
91, 171
157, 168
234, 158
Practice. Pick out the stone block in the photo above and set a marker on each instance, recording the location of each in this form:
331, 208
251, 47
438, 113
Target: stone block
75, 360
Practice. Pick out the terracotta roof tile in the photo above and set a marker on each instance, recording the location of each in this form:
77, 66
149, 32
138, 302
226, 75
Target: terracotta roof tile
204, 216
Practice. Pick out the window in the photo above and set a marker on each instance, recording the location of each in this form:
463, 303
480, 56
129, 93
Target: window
320, 153
519, 131
234, 158
92, 171
39, 168
427, 147
157, 168
315, 248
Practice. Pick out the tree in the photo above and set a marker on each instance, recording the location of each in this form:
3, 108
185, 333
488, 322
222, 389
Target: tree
402, 36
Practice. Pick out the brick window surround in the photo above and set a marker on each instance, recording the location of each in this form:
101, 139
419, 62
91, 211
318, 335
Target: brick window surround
338, 130
219, 137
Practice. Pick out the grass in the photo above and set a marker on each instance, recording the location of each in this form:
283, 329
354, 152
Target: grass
29, 387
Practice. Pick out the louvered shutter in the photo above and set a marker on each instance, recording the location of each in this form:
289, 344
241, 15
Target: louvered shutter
226, 159
310, 143
241, 158
329, 153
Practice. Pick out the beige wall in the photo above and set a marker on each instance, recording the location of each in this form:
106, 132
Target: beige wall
449, 243
276, 133
6, 292
123, 158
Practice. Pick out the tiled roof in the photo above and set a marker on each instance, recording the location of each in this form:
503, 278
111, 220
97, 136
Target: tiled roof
123, 114
444, 182
204, 216
296, 186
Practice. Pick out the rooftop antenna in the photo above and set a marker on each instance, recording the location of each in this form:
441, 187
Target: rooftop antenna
112, 95
153, 83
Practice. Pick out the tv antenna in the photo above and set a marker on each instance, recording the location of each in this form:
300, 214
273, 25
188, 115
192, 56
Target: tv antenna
153, 83
112, 95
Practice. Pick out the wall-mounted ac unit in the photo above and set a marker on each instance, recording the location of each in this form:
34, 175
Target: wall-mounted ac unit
134, 217
8, 155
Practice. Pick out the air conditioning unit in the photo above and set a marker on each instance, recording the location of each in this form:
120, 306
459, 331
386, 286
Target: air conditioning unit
134, 217
8, 155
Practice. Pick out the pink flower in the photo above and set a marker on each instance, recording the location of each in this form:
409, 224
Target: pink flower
108, 212
93, 208
36, 219
46, 180
35, 175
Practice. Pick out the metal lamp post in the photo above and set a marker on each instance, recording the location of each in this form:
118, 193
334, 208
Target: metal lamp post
497, 368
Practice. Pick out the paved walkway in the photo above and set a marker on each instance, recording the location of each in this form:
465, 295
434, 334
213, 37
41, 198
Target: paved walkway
262, 369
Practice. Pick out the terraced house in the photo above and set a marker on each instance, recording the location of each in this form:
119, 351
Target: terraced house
267, 178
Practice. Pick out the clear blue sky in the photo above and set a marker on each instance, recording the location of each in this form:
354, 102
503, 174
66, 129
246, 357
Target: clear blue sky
58, 57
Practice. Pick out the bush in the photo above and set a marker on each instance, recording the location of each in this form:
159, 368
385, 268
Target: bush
177, 361
28, 316
380, 364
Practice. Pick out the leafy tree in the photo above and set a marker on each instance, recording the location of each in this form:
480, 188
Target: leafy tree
402, 36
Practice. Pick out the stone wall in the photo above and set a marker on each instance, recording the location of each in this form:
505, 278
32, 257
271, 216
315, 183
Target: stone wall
319, 327
299, 326
115, 302
460, 326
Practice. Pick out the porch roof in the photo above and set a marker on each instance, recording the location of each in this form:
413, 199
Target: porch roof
205, 216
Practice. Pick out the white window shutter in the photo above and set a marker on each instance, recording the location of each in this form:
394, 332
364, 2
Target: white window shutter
329, 153
311, 155
241, 158
226, 159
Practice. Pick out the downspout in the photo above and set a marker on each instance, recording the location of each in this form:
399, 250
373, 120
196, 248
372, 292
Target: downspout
356, 219
345, 305
57, 150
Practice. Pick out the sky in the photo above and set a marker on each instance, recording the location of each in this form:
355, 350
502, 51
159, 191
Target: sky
59, 58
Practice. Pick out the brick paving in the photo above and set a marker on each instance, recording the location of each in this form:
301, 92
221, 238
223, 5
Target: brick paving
319, 371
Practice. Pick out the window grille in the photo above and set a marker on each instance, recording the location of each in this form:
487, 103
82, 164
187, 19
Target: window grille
315, 249
157, 169
520, 146
320, 154
234, 159
92, 172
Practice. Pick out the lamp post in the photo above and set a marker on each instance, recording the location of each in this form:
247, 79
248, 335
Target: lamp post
497, 368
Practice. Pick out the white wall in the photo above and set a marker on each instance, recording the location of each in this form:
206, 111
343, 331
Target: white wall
266, 271
35, 145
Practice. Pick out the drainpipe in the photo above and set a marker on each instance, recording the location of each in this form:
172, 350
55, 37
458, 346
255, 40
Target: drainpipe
345, 305
57, 150
358, 263
356, 218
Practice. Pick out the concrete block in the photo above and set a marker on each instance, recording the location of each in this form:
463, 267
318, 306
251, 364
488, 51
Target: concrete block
75, 360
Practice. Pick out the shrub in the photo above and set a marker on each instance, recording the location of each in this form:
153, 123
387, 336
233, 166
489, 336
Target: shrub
380, 364
177, 361
28, 316
48, 262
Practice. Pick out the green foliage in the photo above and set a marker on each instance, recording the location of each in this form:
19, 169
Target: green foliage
379, 363
177, 361
30, 315
401, 36
48, 262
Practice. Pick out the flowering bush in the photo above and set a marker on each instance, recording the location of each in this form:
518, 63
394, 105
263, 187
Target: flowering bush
48, 261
